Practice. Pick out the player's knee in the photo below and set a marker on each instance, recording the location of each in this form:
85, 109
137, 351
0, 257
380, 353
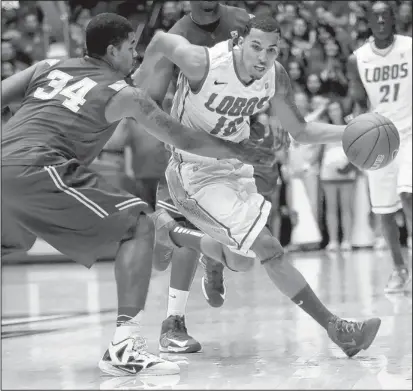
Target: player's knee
238, 261
143, 229
268, 249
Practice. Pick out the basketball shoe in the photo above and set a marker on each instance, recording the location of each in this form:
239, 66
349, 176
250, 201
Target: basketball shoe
175, 338
398, 280
351, 337
213, 286
130, 357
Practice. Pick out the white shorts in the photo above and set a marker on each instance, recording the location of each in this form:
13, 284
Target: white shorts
220, 199
387, 183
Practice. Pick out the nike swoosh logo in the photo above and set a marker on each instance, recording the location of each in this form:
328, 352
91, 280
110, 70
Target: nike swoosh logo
300, 302
173, 296
179, 343
131, 369
218, 82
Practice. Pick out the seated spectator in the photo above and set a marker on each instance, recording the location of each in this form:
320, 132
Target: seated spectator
303, 37
404, 22
338, 180
333, 77
314, 85
297, 76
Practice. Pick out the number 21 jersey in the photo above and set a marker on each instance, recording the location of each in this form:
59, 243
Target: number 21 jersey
387, 79
62, 115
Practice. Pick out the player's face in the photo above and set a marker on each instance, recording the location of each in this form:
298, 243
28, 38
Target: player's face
259, 51
381, 21
205, 6
125, 54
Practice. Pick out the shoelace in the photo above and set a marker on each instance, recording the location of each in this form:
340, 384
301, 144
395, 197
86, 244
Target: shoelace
347, 326
179, 324
139, 344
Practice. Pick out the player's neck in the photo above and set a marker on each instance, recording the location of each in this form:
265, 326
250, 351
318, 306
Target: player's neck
204, 18
240, 69
384, 43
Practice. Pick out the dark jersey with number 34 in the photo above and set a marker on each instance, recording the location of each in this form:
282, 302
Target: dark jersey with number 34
63, 114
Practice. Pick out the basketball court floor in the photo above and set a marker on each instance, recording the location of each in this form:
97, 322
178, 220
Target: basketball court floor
57, 320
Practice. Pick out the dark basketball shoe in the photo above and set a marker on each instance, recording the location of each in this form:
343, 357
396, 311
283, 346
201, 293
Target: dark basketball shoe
175, 338
213, 286
352, 337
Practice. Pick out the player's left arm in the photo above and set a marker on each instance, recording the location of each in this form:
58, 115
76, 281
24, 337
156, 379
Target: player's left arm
283, 107
191, 59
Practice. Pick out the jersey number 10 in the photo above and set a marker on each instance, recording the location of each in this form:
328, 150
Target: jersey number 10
75, 93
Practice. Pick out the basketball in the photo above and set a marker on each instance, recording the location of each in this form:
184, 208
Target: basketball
371, 141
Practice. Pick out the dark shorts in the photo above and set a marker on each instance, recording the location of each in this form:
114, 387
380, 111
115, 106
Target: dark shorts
70, 206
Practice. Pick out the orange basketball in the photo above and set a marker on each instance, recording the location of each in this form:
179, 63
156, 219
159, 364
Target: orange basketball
371, 141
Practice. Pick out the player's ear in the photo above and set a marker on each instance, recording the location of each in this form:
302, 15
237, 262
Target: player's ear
111, 50
240, 41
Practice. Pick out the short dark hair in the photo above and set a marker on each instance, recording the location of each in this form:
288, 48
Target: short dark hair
106, 29
264, 23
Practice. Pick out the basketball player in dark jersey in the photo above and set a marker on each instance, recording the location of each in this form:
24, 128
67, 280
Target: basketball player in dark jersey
208, 24
69, 109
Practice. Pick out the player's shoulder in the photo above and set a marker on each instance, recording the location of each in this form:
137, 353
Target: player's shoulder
237, 12
220, 54
183, 27
404, 41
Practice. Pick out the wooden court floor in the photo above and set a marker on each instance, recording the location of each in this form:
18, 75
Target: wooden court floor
57, 320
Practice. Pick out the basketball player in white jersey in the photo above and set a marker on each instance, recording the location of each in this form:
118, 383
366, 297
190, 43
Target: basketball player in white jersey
381, 70
218, 90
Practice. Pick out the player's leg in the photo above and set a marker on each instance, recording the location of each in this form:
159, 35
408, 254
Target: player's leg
385, 203
346, 193
174, 336
331, 196
82, 216
243, 215
185, 262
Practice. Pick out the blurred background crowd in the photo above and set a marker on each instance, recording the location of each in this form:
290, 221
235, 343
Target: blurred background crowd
320, 191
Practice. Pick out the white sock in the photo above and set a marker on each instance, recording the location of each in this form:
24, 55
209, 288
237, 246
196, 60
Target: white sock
177, 302
128, 328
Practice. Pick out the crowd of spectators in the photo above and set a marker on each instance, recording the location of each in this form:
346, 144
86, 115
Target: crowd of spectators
317, 39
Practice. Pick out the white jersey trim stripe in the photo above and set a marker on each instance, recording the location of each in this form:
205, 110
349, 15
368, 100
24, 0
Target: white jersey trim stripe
133, 200
137, 201
74, 193
166, 205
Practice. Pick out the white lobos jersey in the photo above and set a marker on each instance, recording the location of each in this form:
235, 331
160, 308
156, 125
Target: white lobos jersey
387, 79
223, 104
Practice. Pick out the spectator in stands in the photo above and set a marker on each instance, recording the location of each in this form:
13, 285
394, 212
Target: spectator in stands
338, 179
404, 23
314, 85
297, 76
333, 76
303, 37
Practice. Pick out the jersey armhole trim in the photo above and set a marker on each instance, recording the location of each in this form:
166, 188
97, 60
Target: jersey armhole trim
202, 82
